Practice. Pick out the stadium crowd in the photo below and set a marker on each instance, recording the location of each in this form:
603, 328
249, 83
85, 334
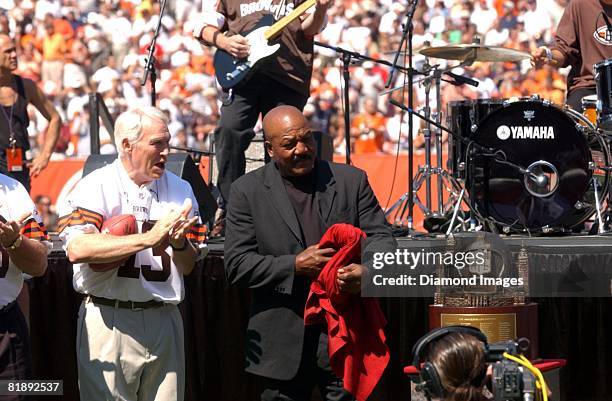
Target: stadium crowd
72, 48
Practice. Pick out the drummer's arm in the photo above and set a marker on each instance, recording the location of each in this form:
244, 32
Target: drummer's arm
557, 59
544, 55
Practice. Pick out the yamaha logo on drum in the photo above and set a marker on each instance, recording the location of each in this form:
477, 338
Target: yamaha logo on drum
503, 132
525, 132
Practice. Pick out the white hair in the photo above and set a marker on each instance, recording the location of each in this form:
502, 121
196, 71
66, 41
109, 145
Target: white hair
129, 124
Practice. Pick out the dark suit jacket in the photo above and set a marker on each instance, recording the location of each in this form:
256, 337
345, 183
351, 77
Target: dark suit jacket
262, 241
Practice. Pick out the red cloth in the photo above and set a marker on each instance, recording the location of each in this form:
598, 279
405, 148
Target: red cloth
357, 350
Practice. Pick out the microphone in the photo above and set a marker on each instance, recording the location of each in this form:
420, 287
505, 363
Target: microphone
462, 80
608, 26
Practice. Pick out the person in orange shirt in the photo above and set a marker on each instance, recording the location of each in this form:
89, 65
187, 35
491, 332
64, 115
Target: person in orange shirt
368, 128
53, 51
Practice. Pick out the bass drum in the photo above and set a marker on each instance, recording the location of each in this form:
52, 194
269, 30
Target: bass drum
535, 168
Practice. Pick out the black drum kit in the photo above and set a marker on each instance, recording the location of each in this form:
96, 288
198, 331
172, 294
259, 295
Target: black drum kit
521, 165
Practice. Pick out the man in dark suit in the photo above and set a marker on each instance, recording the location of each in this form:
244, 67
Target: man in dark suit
276, 217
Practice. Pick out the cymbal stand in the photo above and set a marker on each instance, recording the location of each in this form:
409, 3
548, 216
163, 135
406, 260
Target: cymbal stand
430, 131
427, 135
448, 183
438, 143
445, 181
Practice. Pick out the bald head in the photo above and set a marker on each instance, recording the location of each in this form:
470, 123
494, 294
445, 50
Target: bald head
279, 119
289, 140
8, 54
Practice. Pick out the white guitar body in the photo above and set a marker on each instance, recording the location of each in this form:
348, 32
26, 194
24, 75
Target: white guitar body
259, 47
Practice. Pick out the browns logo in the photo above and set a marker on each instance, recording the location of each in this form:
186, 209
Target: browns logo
603, 36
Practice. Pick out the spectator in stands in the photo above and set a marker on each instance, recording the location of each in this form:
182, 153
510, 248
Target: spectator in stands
46, 211
54, 48
367, 128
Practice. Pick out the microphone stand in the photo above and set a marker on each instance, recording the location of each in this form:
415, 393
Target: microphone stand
407, 33
150, 60
192, 150
347, 55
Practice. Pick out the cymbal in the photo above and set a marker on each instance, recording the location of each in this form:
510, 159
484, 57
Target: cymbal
477, 52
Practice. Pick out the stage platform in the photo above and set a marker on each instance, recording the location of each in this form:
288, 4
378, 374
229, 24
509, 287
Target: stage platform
215, 315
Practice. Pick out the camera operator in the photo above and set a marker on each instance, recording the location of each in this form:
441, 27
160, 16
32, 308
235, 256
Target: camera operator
456, 363
460, 361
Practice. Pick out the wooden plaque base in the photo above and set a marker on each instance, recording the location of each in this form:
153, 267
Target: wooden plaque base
499, 323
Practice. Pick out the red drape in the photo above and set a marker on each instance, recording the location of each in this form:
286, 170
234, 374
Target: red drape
357, 350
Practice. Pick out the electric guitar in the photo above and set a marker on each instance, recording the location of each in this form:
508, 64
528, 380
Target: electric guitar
230, 70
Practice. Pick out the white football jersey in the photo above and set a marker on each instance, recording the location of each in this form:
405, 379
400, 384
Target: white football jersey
149, 274
14, 203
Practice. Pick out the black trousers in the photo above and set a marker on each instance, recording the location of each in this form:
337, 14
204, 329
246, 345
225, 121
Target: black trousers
574, 98
15, 359
314, 371
239, 112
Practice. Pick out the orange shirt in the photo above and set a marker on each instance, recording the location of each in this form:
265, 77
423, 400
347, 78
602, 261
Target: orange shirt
54, 47
375, 124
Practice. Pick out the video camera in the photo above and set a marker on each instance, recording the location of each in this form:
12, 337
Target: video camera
511, 379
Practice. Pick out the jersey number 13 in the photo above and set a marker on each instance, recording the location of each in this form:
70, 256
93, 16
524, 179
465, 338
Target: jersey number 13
130, 270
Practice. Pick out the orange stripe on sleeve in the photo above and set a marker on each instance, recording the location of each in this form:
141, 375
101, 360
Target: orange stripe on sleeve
80, 217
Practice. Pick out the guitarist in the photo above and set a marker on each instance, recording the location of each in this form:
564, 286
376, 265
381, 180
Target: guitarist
282, 78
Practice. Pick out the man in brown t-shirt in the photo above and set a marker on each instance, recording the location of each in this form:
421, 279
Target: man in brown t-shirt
582, 40
283, 78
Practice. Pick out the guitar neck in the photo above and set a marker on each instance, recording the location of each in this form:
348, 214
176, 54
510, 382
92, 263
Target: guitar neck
283, 22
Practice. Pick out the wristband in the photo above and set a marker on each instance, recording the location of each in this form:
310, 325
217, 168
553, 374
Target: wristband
182, 248
548, 54
214, 38
15, 244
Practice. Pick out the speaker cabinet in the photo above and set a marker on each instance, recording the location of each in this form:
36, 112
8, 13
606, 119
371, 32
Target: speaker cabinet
180, 164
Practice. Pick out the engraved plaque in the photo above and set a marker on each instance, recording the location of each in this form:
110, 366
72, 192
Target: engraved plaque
496, 326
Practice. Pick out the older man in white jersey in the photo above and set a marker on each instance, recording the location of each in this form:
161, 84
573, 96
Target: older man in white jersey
21, 251
130, 331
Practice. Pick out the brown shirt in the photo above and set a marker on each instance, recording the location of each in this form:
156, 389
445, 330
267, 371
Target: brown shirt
582, 37
292, 63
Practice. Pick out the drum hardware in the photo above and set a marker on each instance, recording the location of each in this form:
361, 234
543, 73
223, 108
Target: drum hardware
433, 76
541, 179
457, 79
603, 83
445, 180
547, 230
456, 213
598, 208
407, 31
